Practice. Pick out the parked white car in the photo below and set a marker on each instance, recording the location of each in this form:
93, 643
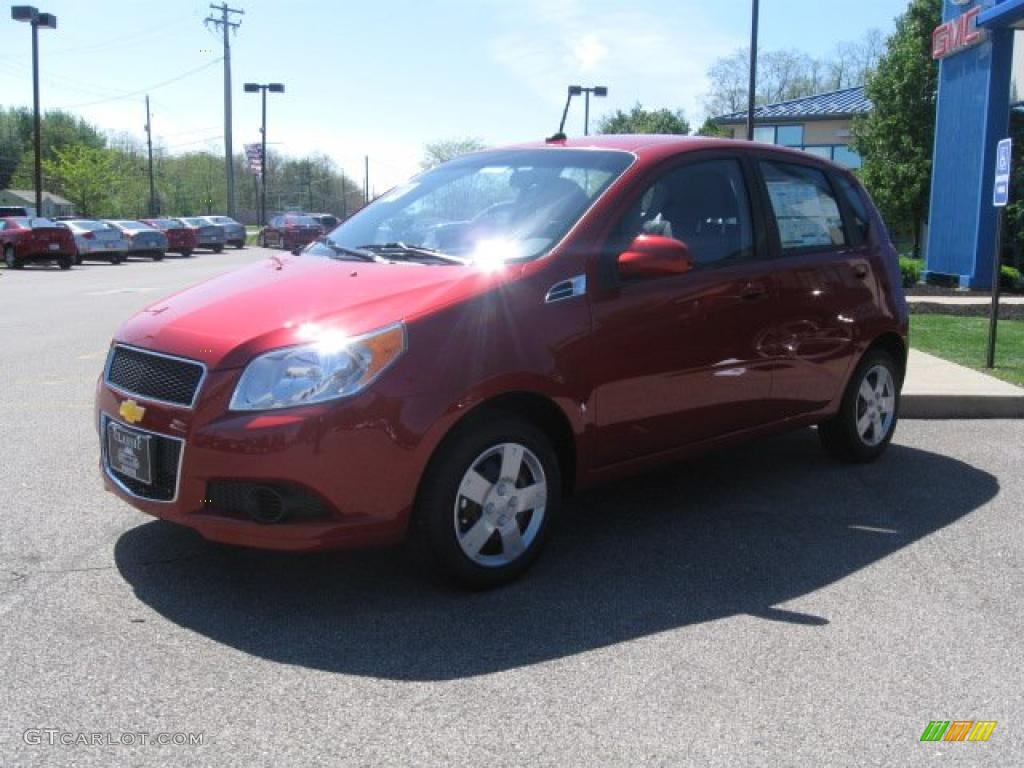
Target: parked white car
97, 240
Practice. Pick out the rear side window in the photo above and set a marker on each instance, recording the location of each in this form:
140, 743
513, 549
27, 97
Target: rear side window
849, 190
805, 207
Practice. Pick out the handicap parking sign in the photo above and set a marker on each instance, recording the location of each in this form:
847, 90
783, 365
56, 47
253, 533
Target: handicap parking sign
1004, 163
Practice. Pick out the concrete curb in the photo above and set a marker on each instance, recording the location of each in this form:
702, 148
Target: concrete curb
938, 389
924, 406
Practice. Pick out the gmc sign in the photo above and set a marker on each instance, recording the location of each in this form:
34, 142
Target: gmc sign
958, 34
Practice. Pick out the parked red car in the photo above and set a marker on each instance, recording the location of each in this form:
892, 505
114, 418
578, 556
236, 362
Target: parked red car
180, 238
290, 231
24, 239
511, 326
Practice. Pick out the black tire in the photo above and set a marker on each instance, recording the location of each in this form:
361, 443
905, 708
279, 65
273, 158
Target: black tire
66, 262
10, 259
436, 523
187, 253
239, 244
218, 248
842, 436
78, 260
117, 258
158, 256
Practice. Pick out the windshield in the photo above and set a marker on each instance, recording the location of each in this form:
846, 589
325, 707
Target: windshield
132, 225
89, 225
39, 223
196, 222
300, 221
221, 220
492, 206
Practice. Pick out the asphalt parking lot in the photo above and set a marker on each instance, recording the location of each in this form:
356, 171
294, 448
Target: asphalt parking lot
762, 606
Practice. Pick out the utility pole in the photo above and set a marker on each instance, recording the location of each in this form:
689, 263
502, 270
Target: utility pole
149, 144
344, 193
366, 181
226, 25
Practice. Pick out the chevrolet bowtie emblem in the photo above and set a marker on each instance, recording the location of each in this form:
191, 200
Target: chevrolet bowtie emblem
131, 411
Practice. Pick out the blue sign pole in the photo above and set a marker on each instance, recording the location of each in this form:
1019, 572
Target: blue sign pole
1000, 199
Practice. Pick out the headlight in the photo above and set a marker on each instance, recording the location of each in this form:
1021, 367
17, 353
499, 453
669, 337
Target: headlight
334, 366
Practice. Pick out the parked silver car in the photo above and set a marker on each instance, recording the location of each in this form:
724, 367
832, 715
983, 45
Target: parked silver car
97, 240
143, 240
234, 233
208, 235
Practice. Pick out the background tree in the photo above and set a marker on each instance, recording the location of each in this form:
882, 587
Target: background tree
640, 120
713, 130
789, 74
85, 175
438, 152
897, 137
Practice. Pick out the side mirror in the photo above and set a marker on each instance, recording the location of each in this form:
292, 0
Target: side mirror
655, 256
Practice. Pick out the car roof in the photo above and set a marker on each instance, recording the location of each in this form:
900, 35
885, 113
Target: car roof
654, 147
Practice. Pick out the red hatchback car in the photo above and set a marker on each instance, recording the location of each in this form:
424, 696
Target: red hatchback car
507, 328
290, 231
24, 239
180, 239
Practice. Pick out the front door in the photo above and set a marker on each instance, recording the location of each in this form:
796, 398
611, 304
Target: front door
678, 359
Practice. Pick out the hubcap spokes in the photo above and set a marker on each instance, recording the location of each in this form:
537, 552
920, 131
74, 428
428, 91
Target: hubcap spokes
876, 405
499, 507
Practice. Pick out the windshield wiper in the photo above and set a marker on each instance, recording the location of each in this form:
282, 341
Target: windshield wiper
360, 253
390, 250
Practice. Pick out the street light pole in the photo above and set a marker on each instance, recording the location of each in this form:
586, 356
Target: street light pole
263, 88
263, 160
32, 15
599, 91
752, 92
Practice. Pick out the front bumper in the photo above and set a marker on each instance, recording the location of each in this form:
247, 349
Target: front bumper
350, 457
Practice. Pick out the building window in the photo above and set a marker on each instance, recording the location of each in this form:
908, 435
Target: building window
783, 135
790, 135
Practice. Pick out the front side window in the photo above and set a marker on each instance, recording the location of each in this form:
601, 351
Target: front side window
805, 207
481, 208
703, 205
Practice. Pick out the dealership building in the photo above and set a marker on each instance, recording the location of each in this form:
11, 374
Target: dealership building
981, 85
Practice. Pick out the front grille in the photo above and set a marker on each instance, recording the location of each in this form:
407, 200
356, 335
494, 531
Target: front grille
166, 458
168, 379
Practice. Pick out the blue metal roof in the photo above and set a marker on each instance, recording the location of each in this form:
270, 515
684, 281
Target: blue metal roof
824, 106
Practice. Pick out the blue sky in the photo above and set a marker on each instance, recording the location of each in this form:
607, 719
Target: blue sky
383, 78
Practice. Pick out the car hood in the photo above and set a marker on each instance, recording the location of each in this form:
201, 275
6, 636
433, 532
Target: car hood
226, 321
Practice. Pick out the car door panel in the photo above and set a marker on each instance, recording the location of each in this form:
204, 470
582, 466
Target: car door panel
680, 358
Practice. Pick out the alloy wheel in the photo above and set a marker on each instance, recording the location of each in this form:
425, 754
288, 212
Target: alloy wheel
876, 405
500, 505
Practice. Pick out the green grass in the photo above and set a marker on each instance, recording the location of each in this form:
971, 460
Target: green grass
964, 340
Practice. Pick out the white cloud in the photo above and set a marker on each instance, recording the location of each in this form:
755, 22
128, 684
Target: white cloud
660, 60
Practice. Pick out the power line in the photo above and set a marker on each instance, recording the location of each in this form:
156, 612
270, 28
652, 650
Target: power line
141, 91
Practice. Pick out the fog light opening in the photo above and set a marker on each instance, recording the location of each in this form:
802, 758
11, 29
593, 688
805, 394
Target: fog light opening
266, 505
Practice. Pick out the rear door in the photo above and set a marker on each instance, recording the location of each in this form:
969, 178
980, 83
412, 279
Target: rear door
677, 359
826, 284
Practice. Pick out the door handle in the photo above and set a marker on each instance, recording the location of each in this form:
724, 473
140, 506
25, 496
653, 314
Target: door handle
753, 291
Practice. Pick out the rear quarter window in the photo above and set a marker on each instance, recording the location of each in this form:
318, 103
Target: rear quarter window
852, 193
805, 207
